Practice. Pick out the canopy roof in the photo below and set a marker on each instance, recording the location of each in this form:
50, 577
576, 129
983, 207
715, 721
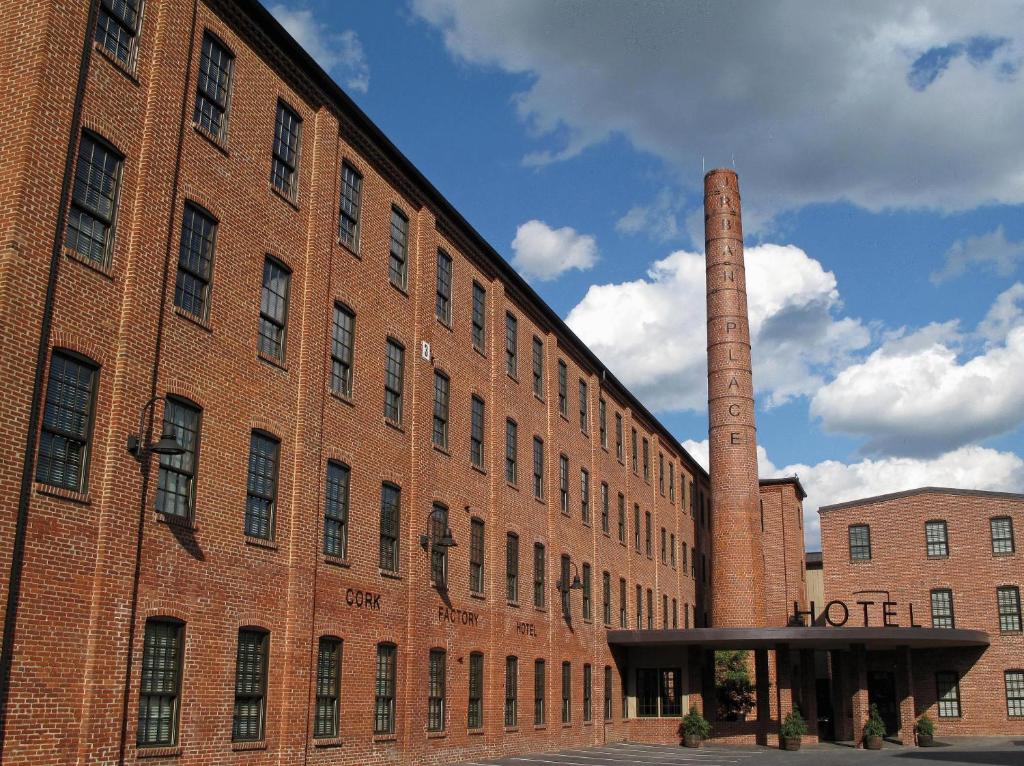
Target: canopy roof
873, 639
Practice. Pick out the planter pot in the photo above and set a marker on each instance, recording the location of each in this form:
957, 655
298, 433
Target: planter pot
791, 743
873, 743
691, 740
924, 740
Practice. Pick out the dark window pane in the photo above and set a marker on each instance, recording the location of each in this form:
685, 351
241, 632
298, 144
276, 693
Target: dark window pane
511, 345
328, 687
476, 434
390, 518
511, 691
1008, 601
511, 452
1002, 535
476, 556
948, 693
443, 304
479, 316
942, 608
394, 374
342, 344
512, 567
860, 542
436, 690
475, 717
538, 367
195, 262
250, 685
351, 204
439, 554
213, 87
336, 510
94, 200
160, 686
538, 575
1015, 693
261, 486
175, 491
117, 27
440, 432
936, 541
273, 309
285, 160
398, 260
384, 699
538, 693
67, 423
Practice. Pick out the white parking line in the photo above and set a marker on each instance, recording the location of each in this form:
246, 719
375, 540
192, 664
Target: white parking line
672, 757
695, 751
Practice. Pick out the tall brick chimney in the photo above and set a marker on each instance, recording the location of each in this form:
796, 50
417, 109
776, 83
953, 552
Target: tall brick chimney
738, 595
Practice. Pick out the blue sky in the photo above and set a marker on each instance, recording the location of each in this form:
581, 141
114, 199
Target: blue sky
882, 170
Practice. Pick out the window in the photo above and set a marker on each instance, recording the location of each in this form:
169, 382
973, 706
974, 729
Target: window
602, 422
606, 598
1002, 535
947, 686
563, 483
860, 542
672, 483
512, 567
511, 452
438, 554
661, 474
647, 692
587, 600
94, 200
588, 693
670, 692
285, 160
1014, 693
636, 525
622, 518
250, 685
1008, 600
658, 692
384, 690
566, 692
160, 690
475, 713
511, 345
117, 28
538, 693
672, 550
511, 691
605, 525
563, 397
261, 497
213, 88
394, 376
440, 432
622, 602
479, 316
436, 690
273, 323
538, 367
336, 510
648, 541
647, 459
664, 546
607, 692
538, 575
650, 609
664, 611
584, 407
390, 524
399, 256
476, 556
633, 447
639, 607
351, 206
476, 432
195, 261
942, 608
538, 468
675, 613
618, 436
564, 587
684, 555
686, 616
328, 687
176, 488
936, 540
585, 495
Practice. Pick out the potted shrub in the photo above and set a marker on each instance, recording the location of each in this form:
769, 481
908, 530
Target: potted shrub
792, 730
874, 730
925, 729
695, 728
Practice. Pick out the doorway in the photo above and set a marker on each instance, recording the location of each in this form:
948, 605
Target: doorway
882, 692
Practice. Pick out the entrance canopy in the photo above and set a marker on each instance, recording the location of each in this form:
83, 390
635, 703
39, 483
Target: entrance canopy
872, 639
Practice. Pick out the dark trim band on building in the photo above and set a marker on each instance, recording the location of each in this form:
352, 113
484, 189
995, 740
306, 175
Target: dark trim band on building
873, 639
919, 491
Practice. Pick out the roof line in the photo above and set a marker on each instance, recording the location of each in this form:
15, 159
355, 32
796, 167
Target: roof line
785, 480
920, 491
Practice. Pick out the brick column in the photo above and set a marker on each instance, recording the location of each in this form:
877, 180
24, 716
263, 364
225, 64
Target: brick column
783, 682
859, 701
762, 688
905, 693
809, 692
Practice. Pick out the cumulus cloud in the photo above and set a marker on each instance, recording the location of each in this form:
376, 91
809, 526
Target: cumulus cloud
833, 481
828, 101
544, 253
651, 332
660, 220
991, 251
922, 393
340, 53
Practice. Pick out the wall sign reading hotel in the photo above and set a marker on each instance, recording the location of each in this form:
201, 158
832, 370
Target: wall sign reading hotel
837, 613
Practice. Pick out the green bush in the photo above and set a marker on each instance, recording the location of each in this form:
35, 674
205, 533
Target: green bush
733, 688
925, 726
696, 725
794, 726
875, 727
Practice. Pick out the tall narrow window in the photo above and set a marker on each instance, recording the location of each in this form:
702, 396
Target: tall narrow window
440, 432
605, 525
390, 524
1002, 535
479, 316
661, 473
675, 613
336, 510
563, 383
684, 554
622, 518
538, 468
860, 542
672, 550
588, 694
618, 436
647, 692
476, 556
672, 483
328, 687
606, 598
947, 686
351, 206
622, 602
650, 609
636, 525
175, 493
160, 690
602, 422
538, 575
90, 228
511, 452
117, 28
439, 554
664, 546
566, 692
475, 712
649, 546
285, 160
669, 691
273, 324
384, 690
443, 303
512, 567
538, 367
584, 407
1014, 693
585, 495
394, 377
664, 611
511, 691
563, 483
564, 587
436, 690
1008, 602
936, 539
195, 261
511, 345
213, 88
639, 607
634, 459
607, 692
250, 685
538, 693
476, 432
647, 459
587, 597
942, 608
261, 496
342, 343
399, 258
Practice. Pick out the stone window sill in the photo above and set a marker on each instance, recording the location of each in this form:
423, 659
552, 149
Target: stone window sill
218, 143
82, 498
259, 744
170, 751
193, 318
260, 542
328, 742
103, 269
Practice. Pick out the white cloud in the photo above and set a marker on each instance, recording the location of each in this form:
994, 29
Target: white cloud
915, 395
544, 253
340, 53
660, 220
651, 332
833, 481
817, 102
991, 251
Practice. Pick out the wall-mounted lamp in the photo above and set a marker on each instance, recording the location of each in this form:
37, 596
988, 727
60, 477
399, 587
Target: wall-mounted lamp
432, 539
167, 444
577, 584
